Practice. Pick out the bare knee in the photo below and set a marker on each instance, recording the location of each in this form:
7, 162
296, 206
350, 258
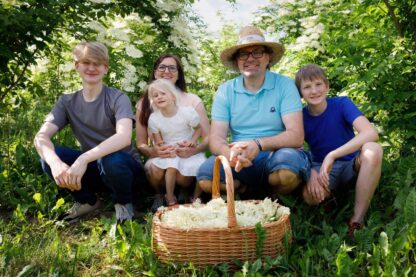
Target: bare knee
284, 181
205, 185
155, 176
371, 153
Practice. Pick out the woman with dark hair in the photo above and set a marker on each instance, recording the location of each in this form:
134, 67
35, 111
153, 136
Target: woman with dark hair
168, 67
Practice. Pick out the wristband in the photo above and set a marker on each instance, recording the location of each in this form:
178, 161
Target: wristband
257, 141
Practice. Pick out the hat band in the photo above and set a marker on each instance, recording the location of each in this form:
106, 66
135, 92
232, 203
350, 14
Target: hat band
251, 38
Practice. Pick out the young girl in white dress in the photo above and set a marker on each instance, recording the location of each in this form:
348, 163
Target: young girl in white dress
171, 123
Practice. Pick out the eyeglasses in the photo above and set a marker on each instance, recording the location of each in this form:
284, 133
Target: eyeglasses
256, 54
171, 68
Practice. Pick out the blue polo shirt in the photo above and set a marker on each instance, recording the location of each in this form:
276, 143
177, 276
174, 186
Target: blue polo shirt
255, 115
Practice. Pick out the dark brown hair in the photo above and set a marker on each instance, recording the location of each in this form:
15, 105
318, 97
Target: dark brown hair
310, 72
180, 83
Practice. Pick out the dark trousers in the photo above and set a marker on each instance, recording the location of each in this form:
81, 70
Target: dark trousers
118, 171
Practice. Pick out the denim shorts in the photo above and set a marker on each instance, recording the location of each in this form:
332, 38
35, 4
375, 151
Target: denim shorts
295, 160
342, 176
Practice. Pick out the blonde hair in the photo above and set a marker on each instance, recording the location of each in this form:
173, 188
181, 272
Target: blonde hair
95, 51
310, 72
165, 86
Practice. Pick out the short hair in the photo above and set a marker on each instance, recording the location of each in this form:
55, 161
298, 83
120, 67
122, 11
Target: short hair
310, 72
91, 50
165, 86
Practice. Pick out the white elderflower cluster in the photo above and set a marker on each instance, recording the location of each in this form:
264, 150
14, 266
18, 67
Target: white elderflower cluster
214, 214
311, 35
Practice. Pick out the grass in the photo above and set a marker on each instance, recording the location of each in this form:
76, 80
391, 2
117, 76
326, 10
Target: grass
94, 247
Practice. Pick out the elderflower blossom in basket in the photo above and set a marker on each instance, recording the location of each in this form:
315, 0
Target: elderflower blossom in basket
214, 214
220, 232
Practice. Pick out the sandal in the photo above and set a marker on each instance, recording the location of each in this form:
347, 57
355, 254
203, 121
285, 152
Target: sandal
352, 226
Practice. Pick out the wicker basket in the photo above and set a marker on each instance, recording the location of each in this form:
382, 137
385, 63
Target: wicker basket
210, 246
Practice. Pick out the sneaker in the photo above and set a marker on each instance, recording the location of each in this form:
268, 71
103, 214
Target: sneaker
78, 210
124, 212
158, 201
352, 226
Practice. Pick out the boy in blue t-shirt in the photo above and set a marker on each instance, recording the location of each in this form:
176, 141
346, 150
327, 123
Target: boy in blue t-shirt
340, 158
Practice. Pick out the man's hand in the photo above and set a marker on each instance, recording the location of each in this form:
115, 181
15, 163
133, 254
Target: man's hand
59, 172
242, 153
164, 151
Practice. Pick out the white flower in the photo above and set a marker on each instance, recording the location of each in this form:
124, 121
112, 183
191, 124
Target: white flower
97, 26
120, 34
67, 67
133, 52
142, 84
214, 214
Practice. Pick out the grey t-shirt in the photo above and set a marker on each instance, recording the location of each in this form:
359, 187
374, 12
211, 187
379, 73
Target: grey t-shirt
91, 122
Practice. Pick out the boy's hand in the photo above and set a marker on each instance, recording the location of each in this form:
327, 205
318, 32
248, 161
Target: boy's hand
326, 168
75, 173
316, 189
59, 172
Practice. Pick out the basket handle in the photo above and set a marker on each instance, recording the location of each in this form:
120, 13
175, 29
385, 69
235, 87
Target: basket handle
232, 220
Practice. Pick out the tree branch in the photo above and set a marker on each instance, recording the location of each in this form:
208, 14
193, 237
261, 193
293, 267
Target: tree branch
394, 18
16, 81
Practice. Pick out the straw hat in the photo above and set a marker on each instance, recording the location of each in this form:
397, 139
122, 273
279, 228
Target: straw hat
250, 36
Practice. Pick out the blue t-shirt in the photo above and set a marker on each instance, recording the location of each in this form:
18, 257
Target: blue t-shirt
331, 129
255, 115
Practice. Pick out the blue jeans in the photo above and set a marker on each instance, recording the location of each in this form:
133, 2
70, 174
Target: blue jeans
119, 171
295, 160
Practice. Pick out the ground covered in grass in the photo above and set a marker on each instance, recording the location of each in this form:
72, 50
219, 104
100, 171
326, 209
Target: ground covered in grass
321, 247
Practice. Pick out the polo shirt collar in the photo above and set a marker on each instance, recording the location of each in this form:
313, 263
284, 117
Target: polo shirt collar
268, 83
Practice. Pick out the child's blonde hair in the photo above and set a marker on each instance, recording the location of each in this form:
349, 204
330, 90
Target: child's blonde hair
310, 72
91, 50
165, 86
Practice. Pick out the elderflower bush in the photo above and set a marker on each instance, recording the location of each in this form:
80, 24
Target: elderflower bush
214, 214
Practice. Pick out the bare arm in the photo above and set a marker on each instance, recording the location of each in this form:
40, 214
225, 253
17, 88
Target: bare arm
46, 151
185, 151
118, 141
158, 138
142, 141
366, 133
218, 138
292, 137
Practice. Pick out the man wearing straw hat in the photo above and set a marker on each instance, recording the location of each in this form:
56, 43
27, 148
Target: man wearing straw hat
263, 112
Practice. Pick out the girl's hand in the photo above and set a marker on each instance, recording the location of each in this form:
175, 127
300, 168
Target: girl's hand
164, 151
186, 148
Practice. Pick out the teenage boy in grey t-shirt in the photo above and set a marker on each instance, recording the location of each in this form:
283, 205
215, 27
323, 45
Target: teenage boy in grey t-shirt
101, 120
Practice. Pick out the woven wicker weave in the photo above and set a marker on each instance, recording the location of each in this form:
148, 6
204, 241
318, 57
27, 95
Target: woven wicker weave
210, 246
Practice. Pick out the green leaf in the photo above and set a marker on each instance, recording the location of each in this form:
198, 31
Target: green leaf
37, 197
410, 207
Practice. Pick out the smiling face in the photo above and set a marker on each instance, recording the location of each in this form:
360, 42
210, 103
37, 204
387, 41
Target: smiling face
91, 71
166, 70
314, 91
252, 61
162, 99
